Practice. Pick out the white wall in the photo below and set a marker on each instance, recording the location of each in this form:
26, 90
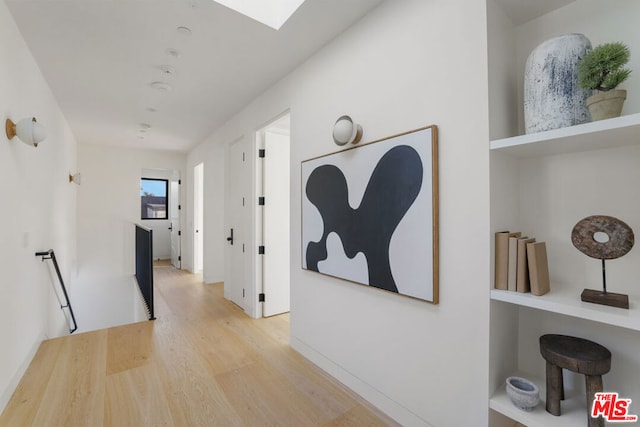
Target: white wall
406, 65
108, 208
212, 156
38, 210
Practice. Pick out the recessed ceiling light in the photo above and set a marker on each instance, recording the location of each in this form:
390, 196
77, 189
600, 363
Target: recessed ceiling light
167, 70
273, 13
175, 53
185, 31
161, 86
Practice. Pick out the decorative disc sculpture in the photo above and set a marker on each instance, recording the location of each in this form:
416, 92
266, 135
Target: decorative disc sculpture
603, 237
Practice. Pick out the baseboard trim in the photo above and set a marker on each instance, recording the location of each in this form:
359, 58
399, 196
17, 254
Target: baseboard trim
382, 402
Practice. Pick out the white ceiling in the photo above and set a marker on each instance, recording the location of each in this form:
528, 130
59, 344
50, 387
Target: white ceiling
101, 56
521, 11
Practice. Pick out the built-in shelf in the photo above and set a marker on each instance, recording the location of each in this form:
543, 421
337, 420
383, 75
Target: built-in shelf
574, 407
533, 180
610, 133
568, 302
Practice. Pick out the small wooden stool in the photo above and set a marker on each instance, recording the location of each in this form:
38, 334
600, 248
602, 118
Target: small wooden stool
577, 355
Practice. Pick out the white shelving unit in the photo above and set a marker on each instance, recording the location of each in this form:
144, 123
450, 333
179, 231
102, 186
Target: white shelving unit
566, 302
600, 135
573, 407
533, 180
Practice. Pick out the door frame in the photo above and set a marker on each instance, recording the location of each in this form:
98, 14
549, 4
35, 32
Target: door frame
198, 218
259, 230
253, 278
177, 205
160, 226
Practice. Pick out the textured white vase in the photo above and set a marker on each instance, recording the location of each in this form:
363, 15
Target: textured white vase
553, 97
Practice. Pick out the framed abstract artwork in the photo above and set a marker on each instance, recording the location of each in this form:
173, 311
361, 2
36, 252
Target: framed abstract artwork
370, 214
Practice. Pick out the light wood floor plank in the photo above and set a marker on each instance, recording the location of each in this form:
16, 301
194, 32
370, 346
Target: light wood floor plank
359, 416
263, 397
136, 398
75, 392
129, 346
309, 379
194, 394
203, 362
220, 348
26, 400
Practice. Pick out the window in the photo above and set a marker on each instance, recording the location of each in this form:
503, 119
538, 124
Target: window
154, 198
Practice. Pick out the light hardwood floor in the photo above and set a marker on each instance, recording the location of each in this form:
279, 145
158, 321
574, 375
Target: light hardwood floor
203, 362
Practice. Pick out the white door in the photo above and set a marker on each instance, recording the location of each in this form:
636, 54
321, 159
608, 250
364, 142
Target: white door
174, 222
236, 232
198, 215
276, 223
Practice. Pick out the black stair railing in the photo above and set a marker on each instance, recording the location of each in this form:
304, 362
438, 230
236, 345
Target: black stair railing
144, 266
67, 304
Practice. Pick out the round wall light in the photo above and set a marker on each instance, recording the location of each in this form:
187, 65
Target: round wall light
345, 131
28, 130
75, 178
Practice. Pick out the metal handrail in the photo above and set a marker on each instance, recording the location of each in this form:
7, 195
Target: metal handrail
52, 256
144, 266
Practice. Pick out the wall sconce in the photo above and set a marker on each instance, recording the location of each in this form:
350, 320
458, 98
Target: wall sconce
28, 131
346, 131
76, 179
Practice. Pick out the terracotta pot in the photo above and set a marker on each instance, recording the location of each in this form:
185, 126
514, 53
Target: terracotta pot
605, 105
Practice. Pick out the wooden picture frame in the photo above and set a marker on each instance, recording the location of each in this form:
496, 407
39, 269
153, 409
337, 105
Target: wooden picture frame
370, 214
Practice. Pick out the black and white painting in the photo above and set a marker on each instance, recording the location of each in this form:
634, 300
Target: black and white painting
370, 214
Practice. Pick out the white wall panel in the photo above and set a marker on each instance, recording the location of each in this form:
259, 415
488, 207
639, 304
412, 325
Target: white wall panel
406, 65
38, 210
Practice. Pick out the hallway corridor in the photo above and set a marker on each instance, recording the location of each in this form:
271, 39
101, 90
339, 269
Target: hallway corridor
203, 362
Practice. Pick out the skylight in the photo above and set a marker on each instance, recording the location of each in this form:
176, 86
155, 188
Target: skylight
273, 13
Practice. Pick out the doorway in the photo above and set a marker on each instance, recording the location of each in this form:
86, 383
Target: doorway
273, 216
160, 212
237, 214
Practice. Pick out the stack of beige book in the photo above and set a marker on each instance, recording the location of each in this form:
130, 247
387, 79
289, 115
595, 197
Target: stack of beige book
521, 264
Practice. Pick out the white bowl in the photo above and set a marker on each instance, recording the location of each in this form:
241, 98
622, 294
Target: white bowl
523, 393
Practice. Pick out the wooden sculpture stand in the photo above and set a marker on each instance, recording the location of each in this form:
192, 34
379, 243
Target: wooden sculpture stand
605, 298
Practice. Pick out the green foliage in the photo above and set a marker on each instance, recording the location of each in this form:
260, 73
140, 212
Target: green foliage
602, 68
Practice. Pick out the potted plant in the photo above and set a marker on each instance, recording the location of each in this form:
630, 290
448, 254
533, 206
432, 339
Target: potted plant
603, 70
